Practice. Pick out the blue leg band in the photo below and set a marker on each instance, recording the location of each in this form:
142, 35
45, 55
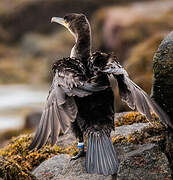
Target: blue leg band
80, 145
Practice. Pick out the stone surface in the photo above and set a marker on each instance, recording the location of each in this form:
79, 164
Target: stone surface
163, 75
162, 89
60, 167
143, 163
137, 162
129, 129
32, 120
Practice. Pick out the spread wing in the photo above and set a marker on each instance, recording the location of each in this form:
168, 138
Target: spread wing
60, 108
132, 94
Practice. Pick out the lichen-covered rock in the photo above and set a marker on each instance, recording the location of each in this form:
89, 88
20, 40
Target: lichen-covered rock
137, 162
144, 162
128, 118
60, 167
131, 131
9, 170
125, 130
162, 89
17, 151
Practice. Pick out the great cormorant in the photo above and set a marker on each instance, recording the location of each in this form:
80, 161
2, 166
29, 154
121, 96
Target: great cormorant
81, 97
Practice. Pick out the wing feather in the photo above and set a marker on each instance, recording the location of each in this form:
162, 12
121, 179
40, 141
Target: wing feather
60, 108
55, 127
132, 94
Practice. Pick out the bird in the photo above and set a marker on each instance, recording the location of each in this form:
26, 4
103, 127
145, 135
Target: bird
82, 99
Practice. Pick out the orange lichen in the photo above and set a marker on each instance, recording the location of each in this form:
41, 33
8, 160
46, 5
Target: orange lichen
133, 117
17, 151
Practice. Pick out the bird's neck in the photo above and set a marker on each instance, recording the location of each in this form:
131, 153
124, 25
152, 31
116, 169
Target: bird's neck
82, 47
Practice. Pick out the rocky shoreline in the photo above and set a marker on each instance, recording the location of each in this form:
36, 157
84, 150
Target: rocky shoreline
145, 150
139, 150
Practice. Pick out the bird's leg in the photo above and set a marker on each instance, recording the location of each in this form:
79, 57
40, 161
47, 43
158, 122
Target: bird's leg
81, 147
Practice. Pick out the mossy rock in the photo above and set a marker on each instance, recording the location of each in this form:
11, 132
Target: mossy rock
133, 117
163, 75
17, 152
17, 157
150, 134
153, 133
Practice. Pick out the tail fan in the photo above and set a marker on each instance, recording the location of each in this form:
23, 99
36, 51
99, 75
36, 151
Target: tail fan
101, 157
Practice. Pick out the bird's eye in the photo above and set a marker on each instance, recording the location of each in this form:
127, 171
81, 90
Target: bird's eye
66, 19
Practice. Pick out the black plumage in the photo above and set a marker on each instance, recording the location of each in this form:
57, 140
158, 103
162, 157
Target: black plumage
81, 97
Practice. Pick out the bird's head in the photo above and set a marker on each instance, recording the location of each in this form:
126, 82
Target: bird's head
75, 23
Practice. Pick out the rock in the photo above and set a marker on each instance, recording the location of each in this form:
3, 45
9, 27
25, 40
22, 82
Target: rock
162, 87
137, 162
60, 167
125, 130
163, 75
145, 162
32, 120
130, 141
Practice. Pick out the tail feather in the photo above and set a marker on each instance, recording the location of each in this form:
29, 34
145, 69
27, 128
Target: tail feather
103, 160
101, 157
111, 156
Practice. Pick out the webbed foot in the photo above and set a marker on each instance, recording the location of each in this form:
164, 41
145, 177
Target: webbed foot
81, 153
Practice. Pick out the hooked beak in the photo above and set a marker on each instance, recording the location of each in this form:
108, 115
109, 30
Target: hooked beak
59, 21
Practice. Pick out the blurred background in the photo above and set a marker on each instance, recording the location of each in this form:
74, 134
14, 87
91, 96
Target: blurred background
29, 44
